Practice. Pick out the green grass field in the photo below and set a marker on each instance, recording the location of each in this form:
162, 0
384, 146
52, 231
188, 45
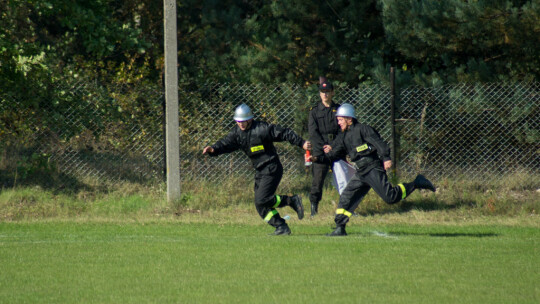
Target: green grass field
470, 242
167, 262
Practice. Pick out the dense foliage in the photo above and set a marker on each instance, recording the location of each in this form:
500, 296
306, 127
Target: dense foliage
51, 50
457, 41
430, 41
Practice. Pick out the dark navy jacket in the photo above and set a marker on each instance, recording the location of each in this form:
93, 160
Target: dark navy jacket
364, 146
257, 142
322, 126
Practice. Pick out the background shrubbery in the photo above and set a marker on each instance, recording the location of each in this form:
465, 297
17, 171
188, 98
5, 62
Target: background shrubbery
81, 82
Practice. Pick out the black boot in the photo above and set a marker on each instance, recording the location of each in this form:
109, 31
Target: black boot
296, 204
314, 208
420, 182
282, 230
339, 231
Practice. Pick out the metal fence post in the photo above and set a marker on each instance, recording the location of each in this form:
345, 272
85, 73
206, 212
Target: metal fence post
393, 121
171, 95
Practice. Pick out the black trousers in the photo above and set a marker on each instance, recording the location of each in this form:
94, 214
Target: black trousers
359, 186
318, 172
267, 180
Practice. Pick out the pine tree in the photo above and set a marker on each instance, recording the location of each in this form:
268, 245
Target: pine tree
457, 40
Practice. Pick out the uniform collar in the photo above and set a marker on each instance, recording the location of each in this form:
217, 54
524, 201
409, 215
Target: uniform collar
354, 124
322, 106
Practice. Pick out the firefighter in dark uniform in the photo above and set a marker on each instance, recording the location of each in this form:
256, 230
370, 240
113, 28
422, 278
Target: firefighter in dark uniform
371, 158
256, 139
323, 128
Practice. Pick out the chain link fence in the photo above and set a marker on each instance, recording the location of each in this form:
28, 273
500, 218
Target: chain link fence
471, 131
207, 117
85, 130
79, 130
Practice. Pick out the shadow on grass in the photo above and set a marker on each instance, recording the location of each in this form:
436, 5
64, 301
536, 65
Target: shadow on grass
27, 168
52, 181
420, 205
445, 234
395, 235
399, 234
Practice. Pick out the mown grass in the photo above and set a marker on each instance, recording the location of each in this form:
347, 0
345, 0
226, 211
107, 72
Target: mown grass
468, 243
97, 262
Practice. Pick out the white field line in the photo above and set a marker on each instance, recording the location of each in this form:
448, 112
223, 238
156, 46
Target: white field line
384, 234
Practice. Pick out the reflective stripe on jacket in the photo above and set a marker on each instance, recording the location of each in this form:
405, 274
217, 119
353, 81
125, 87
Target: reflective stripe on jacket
257, 142
362, 144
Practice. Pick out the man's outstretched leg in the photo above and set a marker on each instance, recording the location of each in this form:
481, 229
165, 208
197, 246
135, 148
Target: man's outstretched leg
295, 202
394, 194
421, 182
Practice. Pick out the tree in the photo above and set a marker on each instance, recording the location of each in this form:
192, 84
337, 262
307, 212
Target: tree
458, 40
41, 42
275, 41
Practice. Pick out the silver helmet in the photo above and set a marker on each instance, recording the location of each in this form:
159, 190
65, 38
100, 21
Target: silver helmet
243, 113
346, 110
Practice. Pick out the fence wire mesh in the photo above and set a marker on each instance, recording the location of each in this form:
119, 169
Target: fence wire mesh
471, 130
83, 129
207, 115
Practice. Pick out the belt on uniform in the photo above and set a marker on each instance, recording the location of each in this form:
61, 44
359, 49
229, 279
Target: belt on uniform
364, 162
265, 162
